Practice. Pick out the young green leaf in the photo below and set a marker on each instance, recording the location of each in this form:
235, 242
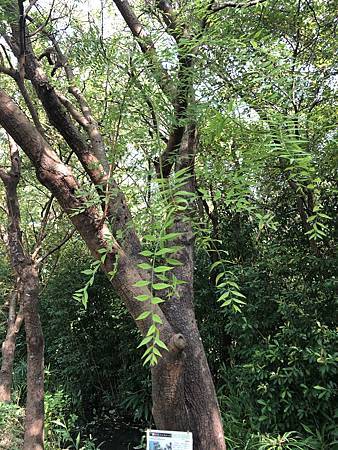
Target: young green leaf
161, 269
145, 341
144, 315
141, 283
144, 266
142, 297
159, 286
146, 253
156, 300
156, 318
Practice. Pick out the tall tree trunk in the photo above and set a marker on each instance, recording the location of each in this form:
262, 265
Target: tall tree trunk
8, 348
184, 396
34, 422
27, 289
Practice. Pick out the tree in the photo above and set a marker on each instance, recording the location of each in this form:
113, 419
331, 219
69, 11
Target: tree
13, 240
175, 118
183, 392
26, 291
26, 260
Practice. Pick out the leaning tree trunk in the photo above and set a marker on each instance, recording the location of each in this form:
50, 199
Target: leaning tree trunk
8, 348
34, 422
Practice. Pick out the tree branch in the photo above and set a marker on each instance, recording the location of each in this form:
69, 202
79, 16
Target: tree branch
59, 179
146, 44
217, 8
58, 246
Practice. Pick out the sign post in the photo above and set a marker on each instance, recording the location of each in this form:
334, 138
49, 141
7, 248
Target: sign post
168, 440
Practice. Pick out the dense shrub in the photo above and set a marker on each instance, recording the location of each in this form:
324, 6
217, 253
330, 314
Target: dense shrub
11, 426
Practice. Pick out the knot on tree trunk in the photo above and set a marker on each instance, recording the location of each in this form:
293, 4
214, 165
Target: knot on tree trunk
178, 342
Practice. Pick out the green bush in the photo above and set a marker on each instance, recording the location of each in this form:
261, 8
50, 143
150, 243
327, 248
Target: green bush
11, 426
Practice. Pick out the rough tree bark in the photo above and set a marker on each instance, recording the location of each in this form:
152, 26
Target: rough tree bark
34, 421
27, 290
14, 322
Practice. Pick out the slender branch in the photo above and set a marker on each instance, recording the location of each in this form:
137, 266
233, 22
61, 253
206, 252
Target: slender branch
42, 233
30, 6
41, 27
21, 84
4, 175
166, 160
7, 57
169, 17
77, 116
217, 8
9, 71
147, 46
58, 246
135, 26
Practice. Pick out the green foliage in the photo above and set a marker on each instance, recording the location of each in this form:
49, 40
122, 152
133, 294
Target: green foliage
280, 369
138, 402
11, 426
159, 261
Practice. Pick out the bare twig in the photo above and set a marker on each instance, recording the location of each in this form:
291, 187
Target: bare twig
222, 6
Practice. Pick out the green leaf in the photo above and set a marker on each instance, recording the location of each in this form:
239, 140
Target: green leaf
215, 264
187, 193
156, 352
149, 237
148, 350
144, 315
161, 269
162, 277
173, 262
144, 266
226, 303
238, 294
152, 330
87, 271
161, 344
237, 300
156, 319
145, 341
147, 359
85, 298
141, 283
142, 297
169, 236
167, 250
324, 216
77, 441
232, 283
159, 286
223, 296
219, 276
156, 300
146, 253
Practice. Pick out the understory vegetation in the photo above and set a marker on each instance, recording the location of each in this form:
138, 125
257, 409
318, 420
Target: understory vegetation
275, 362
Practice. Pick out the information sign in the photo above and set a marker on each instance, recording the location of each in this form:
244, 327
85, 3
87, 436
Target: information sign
168, 440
